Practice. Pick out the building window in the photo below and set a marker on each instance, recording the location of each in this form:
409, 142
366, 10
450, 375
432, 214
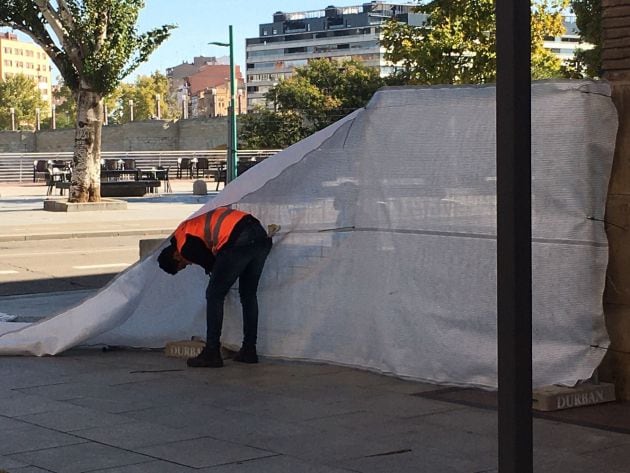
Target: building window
295, 50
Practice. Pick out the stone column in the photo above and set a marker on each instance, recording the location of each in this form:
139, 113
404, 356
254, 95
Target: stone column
616, 66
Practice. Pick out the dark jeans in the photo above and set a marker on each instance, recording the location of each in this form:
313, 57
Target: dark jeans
244, 260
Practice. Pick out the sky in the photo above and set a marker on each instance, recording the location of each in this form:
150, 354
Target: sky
202, 21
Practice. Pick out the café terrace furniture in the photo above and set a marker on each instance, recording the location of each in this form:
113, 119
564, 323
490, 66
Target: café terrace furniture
184, 165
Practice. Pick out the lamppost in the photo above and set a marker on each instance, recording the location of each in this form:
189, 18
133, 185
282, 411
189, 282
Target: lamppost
53, 117
157, 101
37, 112
130, 110
12, 110
232, 132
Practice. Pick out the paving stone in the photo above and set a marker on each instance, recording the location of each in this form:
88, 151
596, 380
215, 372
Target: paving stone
399, 405
74, 418
8, 423
18, 404
575, 438
612, 458
10, 463
292, 409
367, 422
330, 445
157, 466
80, 458
549, 460
275, 464
178, 416
426, 461
135, 434
246, 428
32, 437
204, 452
481, 421
29, 469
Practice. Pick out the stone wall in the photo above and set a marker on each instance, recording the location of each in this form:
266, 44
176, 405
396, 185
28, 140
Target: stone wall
149, 135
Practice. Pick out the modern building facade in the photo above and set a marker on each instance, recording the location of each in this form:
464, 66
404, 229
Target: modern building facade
341, 33
338, 33
20, 57
565, 46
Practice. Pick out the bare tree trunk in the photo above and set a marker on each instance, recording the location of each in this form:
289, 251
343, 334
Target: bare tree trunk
86, 174
616, 64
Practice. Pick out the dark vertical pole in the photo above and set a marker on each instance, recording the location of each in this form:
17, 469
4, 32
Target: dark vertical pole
514, 262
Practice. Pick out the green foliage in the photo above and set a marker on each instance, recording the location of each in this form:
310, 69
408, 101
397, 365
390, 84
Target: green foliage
21, 93
143, 93
266, 129
457, 43
313, 98
588, 63
66, 111
96, 43
325, 91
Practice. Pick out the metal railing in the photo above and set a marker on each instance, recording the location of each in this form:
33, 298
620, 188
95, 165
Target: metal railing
18, 167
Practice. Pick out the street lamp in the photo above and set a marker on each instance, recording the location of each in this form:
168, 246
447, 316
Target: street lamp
37, 112
157, 101
130, 110
53, 117
12, 110
232, 132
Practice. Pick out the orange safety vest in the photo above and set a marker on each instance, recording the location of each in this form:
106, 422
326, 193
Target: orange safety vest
214, 228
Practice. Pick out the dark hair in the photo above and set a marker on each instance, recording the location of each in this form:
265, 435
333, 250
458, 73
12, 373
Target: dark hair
166, 260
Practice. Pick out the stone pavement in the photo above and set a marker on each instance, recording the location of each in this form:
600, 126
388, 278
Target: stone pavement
127, 411
23, 217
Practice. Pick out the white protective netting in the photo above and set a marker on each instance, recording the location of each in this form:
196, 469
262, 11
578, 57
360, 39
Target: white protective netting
387, 255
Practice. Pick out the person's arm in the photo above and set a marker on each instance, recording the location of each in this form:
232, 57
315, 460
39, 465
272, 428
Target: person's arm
195, 251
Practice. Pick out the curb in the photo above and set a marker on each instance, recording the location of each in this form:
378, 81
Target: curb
80, 234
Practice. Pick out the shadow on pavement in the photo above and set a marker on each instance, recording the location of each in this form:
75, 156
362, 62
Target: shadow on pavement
35, 286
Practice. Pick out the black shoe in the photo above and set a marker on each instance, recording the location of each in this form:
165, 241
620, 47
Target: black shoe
208, 358
247, 354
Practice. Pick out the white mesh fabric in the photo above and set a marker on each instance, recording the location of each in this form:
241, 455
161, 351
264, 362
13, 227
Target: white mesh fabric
387, 254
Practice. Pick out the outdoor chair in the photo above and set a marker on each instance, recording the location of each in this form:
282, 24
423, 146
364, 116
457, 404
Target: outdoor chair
203, 165
40, 169
184, 164
162, 175
221, 173
110, 164
129, 164
53, 176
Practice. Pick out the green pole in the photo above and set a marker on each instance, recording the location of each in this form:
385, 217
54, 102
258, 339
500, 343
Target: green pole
234, 140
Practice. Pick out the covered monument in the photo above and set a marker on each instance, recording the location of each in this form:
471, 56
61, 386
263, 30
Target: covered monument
387, 255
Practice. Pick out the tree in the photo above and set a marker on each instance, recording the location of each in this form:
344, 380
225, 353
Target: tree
66, 111
94, 44
20, 93
588, 62
265, 129
325, 91
314, 97
457, 42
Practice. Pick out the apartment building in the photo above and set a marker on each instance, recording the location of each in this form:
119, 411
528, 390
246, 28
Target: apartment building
565, 46
209, 91
20, 57
341, 33
204, 85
